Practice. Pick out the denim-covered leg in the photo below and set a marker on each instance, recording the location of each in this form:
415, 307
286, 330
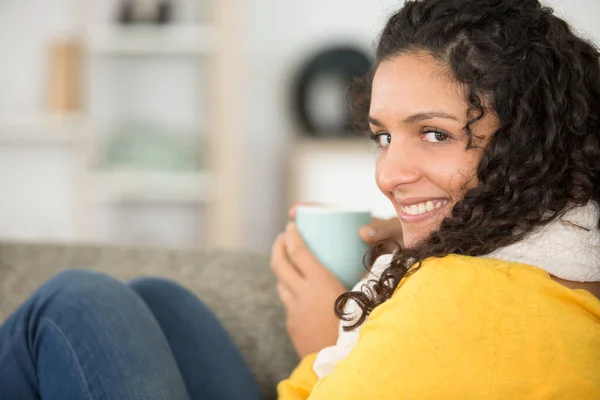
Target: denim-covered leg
211, 364
84, 335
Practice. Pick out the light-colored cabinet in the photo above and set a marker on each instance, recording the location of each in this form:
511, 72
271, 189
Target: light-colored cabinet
337, 172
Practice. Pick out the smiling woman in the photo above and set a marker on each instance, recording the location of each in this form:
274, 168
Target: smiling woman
487, 118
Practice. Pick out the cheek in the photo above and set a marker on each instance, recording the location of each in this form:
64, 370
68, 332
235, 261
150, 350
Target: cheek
454, 174
464, 176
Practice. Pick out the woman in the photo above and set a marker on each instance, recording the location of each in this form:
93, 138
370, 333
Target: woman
486, 113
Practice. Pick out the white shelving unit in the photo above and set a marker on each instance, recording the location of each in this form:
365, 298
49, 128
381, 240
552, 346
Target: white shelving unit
58, 187
144, 205
169, 40
338, 172
130, 186
133, 73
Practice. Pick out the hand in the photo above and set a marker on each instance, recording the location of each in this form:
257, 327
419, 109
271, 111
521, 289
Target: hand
377, 230
308, 291
382, 229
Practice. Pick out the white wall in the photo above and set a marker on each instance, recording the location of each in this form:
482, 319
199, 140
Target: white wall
582, 14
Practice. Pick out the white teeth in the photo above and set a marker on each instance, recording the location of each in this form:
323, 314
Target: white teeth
421, 208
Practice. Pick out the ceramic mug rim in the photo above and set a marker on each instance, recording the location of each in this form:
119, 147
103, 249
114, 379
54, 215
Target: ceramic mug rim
324, 209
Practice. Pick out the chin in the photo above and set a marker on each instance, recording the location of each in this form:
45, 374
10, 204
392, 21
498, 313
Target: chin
421, 231
411, 239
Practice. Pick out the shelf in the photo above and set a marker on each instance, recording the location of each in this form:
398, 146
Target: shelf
42, 129
130, 186
136, 40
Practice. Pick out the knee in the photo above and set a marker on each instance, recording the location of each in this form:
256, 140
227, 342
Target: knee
153, 287
78, 280
72, 287
161, 294
169, 301
84, 303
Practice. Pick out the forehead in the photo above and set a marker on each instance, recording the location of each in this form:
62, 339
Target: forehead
412, 83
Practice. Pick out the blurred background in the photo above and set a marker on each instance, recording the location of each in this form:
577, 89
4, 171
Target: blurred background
186, 123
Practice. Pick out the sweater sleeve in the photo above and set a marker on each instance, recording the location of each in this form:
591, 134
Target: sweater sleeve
301, 382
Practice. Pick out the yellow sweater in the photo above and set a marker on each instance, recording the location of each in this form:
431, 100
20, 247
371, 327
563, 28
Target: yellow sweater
468, 328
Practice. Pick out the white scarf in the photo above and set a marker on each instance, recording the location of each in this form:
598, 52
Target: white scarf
561, 248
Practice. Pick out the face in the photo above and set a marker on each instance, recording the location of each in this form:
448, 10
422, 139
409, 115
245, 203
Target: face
417, 118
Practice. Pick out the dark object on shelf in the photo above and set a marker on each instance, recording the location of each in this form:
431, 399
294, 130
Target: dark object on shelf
319, 95
146, 11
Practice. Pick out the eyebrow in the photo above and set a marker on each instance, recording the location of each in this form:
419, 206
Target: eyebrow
413, 119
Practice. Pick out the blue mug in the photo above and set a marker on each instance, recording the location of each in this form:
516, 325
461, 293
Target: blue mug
331, 234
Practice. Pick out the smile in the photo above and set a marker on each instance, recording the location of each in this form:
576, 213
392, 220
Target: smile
424, 207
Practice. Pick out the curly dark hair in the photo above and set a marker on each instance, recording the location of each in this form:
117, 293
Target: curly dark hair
543, 83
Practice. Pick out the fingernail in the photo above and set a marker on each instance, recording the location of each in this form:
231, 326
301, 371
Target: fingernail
370, 231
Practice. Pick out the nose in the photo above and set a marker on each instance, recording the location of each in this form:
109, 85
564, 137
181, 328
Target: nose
397, 166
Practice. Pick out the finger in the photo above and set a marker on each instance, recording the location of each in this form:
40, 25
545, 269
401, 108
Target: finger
368, 232
298, 253
283, 269
284, 294
382, 229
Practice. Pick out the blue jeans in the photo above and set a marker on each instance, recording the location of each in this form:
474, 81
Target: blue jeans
84, 335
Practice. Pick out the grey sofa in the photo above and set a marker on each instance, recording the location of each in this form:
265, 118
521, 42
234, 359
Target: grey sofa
238, 286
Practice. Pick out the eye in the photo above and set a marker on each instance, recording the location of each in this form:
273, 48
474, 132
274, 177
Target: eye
434, 136
382, 139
